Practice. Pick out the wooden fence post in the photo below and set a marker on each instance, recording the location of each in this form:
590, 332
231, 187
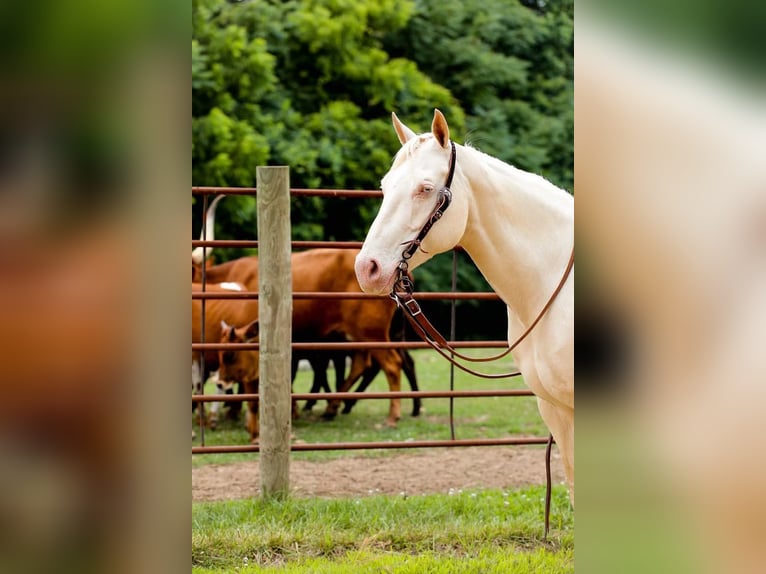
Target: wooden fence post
275, 319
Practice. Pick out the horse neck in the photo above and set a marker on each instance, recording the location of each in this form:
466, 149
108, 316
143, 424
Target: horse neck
519, 233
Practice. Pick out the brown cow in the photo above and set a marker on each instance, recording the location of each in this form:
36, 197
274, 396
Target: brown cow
359, 320
331, 270
243, 270
243, 367
233, 311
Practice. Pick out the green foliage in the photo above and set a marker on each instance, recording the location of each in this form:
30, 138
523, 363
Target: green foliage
304, 84
311, 84
510, 68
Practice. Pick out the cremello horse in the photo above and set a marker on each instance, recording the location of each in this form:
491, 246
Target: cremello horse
519, 230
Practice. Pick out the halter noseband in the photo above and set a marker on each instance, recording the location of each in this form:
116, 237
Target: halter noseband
443, 200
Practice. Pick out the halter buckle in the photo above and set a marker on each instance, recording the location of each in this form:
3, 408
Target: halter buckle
413, 308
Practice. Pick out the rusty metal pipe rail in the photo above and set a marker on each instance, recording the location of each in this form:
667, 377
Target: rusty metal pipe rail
380, 444
253, 243
296, 191
373, 395
296, 244
425, 295
351, 345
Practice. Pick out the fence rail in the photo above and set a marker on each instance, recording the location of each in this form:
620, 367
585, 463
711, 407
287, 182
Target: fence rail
378, 444
298, 192
351, 345
375, 395
336, 346
422, 296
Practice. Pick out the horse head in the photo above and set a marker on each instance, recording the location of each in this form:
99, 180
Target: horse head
411, 193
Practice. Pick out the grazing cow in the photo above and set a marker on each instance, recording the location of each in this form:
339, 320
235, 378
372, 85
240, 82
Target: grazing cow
232, 311
243, 367
331, 270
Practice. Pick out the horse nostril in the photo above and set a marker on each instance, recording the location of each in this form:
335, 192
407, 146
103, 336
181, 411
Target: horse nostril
374, 269
368, 271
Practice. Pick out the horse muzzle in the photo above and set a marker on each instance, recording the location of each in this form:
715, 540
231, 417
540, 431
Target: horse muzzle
374, 276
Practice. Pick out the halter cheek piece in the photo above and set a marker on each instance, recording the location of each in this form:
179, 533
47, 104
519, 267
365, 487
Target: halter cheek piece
401, 292
443, 200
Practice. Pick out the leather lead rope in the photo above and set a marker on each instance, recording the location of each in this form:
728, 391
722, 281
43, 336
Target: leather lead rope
402, 294
548, 487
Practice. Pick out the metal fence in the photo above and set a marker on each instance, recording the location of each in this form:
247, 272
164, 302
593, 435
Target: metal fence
328, 346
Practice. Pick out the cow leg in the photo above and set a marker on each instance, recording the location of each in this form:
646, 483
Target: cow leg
294, 362
367, 377
251, 415
233, 408
339, 362
195, 388
391, 363
359, 364
196, 382
408, 366
196, 378
212, 419
319, 364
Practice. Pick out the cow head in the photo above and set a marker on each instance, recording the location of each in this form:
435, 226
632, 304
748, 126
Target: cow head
242, 367
238, 366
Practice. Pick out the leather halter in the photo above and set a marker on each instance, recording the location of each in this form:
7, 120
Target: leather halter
443, 200
402, 291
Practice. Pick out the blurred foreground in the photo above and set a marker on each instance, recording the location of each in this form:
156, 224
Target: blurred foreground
671, 224
93, 147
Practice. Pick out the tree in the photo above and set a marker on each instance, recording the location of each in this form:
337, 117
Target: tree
304, 84
311, 84
510, 66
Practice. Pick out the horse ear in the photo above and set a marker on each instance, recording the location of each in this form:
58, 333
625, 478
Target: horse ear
440, 129
405, 134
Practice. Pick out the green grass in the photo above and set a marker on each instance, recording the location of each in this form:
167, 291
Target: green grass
487, 531
474, 417
470, 531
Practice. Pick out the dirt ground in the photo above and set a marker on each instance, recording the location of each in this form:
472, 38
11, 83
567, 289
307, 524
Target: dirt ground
432, 471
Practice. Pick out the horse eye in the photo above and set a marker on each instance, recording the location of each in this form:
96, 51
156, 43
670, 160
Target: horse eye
427, 188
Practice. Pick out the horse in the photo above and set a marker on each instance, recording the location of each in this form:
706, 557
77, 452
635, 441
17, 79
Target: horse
517, 227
